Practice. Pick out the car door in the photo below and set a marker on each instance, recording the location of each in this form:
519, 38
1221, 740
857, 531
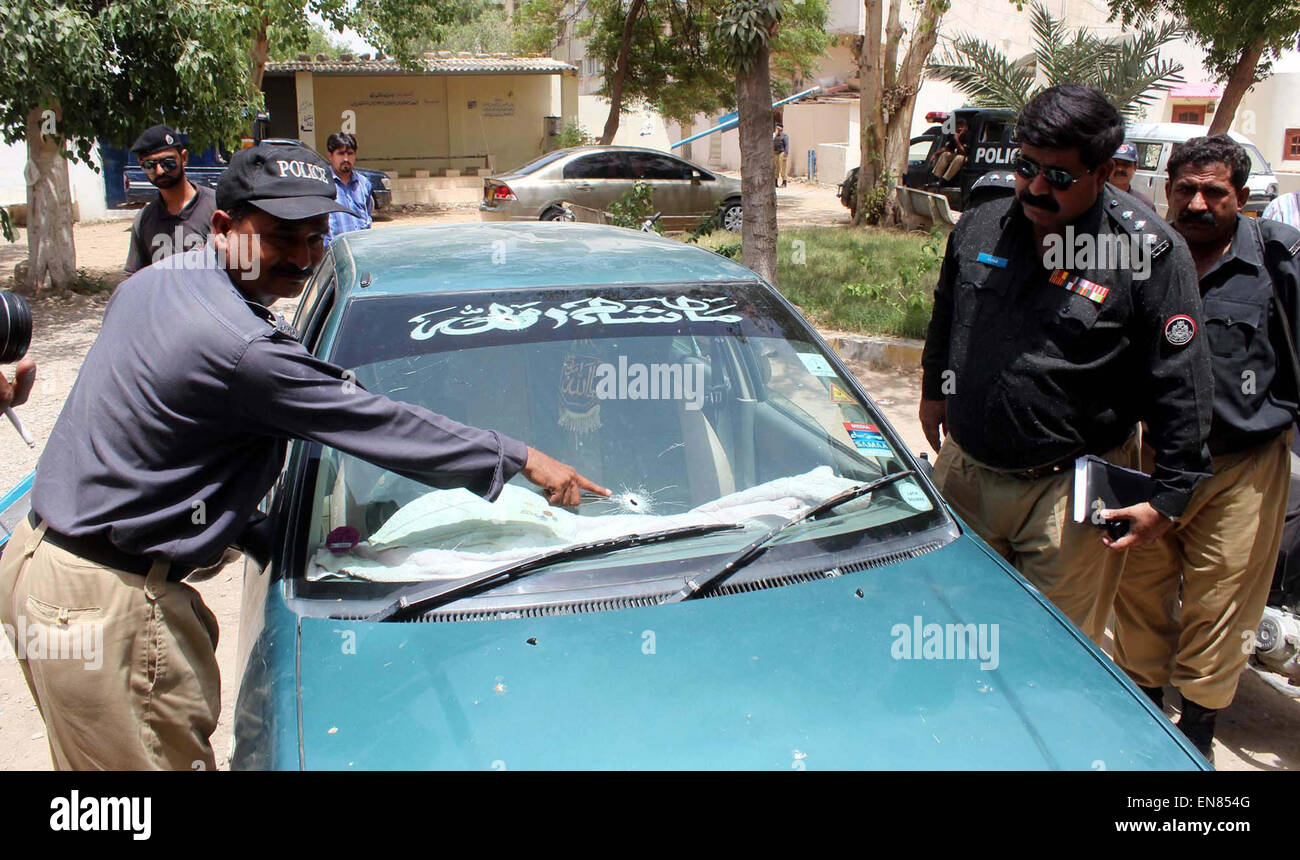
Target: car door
1149, 177
677, 190
598, 179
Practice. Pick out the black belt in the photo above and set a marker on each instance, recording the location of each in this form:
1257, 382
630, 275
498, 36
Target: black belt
1042, 471
100, 551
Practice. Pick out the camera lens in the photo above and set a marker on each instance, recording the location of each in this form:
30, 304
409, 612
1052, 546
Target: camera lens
15, 327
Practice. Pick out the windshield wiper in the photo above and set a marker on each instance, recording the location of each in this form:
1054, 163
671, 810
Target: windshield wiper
426, 596
694, 588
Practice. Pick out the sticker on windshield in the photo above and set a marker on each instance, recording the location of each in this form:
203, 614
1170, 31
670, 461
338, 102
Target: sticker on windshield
867, 438
914, 496
816, 364
839, 395
496, 316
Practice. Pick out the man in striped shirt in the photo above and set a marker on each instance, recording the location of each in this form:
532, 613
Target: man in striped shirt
1285, 209
351, 188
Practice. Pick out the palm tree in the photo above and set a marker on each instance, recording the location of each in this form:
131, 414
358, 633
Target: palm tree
1128, 70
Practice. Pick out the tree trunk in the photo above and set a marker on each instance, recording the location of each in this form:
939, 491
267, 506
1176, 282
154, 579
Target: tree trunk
620, 72
51, 253
871, 142
260, 53
1241, 79
757, 174
907, 83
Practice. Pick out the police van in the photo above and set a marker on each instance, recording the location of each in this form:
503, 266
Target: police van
952, 158
1155, 141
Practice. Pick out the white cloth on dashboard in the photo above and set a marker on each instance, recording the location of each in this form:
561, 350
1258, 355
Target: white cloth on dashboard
450, 534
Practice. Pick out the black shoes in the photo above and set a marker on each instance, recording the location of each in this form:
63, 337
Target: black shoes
1197, 723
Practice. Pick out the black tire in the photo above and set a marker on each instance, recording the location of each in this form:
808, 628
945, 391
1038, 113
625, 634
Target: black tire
554, 213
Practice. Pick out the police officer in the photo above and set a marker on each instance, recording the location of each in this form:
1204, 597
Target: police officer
1029, 365
1122, 176
183, 407
180, 217
1223, 549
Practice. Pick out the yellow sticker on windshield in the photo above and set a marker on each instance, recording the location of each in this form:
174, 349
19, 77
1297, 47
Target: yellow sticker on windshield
839, 395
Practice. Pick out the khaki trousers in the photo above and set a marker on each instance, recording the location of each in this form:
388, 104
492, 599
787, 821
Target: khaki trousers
1031, 524
1222, 552
778, 166
122, 667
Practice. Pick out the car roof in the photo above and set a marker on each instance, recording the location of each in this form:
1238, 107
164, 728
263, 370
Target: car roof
1174, 131
491, 255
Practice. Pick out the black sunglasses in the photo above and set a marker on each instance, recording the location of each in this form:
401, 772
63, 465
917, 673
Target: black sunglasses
1057, 177
168, 164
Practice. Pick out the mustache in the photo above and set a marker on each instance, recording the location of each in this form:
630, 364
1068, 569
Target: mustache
1205, 218
167, 180
292, 272
1045, 202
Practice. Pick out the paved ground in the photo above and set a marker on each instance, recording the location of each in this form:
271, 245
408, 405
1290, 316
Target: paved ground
1259, 731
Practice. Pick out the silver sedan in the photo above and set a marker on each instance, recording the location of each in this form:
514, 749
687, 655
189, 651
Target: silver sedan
590, 178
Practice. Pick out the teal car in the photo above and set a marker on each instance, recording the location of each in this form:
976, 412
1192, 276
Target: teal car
775, 583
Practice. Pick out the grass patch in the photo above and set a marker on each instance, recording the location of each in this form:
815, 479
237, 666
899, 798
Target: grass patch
862, 279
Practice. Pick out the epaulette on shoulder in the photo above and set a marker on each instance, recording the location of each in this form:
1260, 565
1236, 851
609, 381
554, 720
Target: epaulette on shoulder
1280, 235
1136, 220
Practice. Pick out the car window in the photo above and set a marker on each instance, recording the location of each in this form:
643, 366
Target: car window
1258, 165
598, 165
538, 163
993, 131
920, 149
646, 165
311, 292
700, 404
1148, 156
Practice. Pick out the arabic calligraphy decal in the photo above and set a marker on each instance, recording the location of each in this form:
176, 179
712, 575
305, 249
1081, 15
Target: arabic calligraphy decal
471, 319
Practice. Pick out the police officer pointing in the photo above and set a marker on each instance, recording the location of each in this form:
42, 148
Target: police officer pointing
1040, 350
183, 406
1221, 555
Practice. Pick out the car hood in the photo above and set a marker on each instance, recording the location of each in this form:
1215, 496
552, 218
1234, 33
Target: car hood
807, 676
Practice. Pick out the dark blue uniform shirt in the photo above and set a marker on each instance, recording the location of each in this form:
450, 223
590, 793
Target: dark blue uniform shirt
1254, 386
1036, 372
177, 424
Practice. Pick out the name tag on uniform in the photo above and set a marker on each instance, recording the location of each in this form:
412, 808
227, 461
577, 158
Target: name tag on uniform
1080, 286
992, 260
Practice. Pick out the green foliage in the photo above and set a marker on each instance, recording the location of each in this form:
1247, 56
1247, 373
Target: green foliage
636, 205
678, 63
1129, 71
863, 279
479, 26
299, 36
110, 69
743, 27
574, 135
1226, 29
7, 226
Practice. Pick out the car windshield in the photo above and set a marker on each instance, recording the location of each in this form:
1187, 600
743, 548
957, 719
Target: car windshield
697, 404
1258, 166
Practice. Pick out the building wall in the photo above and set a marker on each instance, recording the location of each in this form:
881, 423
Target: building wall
409, 122
86, 185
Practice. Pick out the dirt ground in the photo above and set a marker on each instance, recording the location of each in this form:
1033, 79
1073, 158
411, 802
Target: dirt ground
1260, 731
